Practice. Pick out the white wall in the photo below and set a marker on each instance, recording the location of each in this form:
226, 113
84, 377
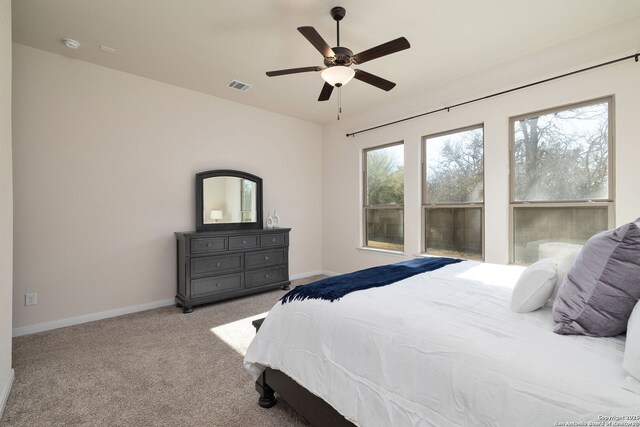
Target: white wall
104, 165
6, 203
342, 156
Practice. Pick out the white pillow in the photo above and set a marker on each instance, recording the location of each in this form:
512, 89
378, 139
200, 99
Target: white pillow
561, 272
534, 287
631, 361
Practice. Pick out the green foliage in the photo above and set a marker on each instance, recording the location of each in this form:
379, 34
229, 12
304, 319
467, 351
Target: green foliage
385, 178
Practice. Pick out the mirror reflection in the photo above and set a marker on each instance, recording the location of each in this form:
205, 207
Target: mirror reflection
228, 199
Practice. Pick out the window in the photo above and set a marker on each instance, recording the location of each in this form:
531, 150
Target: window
247, 200
561, 179
384, 197
453, 193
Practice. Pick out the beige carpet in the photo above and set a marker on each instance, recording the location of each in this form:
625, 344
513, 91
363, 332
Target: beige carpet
154, 368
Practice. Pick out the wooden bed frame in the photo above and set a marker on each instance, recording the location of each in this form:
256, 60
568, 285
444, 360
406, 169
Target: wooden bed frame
308, 405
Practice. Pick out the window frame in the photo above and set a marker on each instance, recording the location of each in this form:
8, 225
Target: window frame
365, 199
449, 205
608, 202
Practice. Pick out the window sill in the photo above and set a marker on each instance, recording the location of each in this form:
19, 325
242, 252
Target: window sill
425, 255
381, 251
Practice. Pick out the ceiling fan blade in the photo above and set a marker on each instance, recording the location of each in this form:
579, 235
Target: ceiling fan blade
317, 41
382, 50
293, 71
325, 94
374, 80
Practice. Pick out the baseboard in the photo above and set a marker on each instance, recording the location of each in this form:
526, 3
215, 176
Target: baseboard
329, 273
305, 275
5, 393
47, 326
312, 273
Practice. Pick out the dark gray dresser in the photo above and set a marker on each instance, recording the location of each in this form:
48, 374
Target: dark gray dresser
216, 265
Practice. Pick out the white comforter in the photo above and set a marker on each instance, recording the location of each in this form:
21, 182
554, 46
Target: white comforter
443, 349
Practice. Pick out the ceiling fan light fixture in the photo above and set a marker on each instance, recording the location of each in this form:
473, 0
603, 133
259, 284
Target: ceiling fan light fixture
338, 75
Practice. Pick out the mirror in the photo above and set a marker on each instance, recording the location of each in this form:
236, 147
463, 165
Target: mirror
227, 199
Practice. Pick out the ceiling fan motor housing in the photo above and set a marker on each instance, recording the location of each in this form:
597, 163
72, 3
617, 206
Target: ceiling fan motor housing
343, 57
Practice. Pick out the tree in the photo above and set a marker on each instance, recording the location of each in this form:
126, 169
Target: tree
456, 172
385, 179
385, 186
563, 156
557, 156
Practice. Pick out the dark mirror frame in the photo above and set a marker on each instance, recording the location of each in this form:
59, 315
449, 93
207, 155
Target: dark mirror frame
201, 226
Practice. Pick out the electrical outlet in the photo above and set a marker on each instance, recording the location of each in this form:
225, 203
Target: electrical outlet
31, 299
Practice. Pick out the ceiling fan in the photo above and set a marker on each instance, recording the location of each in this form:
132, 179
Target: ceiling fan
338, 60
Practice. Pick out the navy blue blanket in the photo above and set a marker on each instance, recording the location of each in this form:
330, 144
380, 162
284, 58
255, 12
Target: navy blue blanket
334, 288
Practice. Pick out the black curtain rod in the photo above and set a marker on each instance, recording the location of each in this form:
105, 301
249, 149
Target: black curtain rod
634, 56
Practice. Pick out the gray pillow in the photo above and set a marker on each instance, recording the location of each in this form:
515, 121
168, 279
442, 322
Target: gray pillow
602, 286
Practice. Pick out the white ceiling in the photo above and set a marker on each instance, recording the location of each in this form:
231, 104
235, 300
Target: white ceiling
203, 44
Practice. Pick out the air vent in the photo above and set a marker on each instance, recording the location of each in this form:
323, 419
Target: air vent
107, 49
234, 84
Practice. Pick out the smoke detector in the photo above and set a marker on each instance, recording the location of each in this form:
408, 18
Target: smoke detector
71, 44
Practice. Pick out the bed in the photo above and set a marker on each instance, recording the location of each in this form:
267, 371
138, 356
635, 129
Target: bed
441, 348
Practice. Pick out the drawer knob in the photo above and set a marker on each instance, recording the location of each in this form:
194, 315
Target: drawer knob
218, 284
217, 264
273, 239
266, 276
266, 258
208, 245
244, 242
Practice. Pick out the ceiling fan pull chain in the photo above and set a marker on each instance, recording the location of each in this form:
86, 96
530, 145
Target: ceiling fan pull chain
339, 102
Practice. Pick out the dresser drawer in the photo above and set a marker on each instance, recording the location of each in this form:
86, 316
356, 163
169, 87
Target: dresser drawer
265, 258
265, 277
215, 264
279, 239
209, 244
212, 285
243, 242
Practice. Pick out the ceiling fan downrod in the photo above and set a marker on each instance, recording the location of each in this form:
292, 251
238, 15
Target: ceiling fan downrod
337, 13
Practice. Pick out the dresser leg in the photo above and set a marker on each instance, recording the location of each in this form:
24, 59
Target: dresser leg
285, 287
187, 309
